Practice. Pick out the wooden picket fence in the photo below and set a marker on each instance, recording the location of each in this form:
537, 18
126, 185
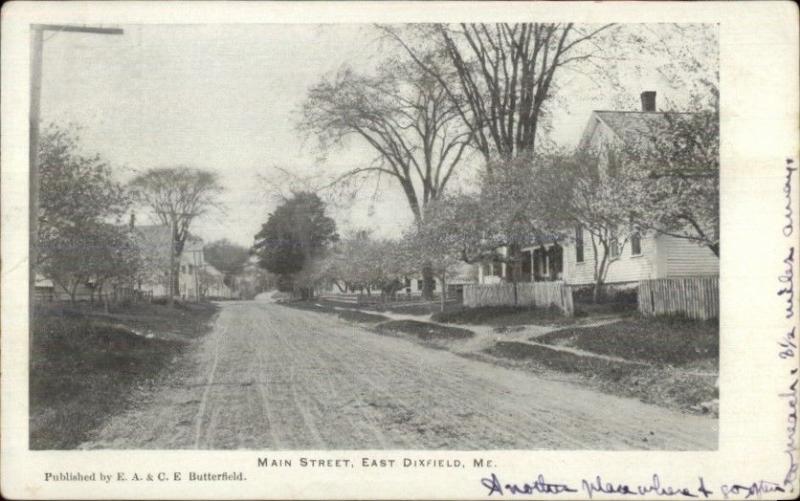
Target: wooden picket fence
542, 294
694, 297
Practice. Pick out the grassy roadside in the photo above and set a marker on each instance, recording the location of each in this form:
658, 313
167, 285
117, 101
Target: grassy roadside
351, 315
425, 331
673, 362
503, 316
662, 341
429, 333
664, 386
412, 307
86, 364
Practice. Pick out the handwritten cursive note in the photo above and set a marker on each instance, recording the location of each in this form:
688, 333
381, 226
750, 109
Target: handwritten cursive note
788, 342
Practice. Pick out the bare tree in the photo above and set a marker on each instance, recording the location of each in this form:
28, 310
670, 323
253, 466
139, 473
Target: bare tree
177, 195
499, 77
405, 116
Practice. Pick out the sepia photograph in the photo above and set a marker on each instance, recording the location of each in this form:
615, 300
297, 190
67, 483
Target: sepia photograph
351, 250
416, 236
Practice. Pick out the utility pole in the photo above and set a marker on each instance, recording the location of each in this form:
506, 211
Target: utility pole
37, 42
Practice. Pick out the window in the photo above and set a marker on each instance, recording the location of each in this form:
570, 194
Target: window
636, 244
497, 268
613, 248
579, 244
419, 285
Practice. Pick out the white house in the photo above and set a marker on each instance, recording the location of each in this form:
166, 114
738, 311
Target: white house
645, 256
154, 241
212, 284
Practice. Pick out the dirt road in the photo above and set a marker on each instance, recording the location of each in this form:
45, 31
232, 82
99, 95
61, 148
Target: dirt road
272, 377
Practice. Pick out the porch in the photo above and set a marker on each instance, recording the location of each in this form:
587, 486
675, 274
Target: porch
539, 263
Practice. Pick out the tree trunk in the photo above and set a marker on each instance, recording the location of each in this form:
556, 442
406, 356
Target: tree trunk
596, 293
427, 281
514, 254
444, 291
72, 292
103, 299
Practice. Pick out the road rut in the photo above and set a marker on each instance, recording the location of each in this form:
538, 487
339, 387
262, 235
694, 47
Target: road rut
272, 377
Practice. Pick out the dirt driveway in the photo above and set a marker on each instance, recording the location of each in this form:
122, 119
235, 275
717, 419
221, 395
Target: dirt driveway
271, 377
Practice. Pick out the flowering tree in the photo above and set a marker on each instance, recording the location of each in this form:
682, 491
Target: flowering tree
75, 189
508, 213
436, 243
599, 199
681, 157
93, 254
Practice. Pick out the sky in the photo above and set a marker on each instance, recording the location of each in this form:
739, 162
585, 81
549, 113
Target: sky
226, 98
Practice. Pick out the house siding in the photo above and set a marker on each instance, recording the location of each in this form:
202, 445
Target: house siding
661, 257
627, 269
687, 259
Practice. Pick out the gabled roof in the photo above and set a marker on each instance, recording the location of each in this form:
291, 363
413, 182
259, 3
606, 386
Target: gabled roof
632, 127
158, 234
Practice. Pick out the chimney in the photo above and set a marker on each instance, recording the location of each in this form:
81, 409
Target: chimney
648, 100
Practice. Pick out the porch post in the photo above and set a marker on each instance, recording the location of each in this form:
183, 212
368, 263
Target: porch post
547, 262
533, 263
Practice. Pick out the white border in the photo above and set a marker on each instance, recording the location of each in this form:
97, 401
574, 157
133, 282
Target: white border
759, 123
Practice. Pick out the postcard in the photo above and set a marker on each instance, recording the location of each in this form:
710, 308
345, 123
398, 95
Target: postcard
400, 250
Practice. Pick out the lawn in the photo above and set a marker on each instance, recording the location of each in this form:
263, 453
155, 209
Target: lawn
425, 331
351, 315
689, 391
662, 341
503, 316
86, 364
678, 359
411, 307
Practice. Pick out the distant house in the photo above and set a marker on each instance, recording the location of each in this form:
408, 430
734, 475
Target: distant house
461, 275
154, 242
645, 256
212, 284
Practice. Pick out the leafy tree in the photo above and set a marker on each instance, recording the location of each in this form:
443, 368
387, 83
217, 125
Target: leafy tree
91, 254
227, 257
177, 196
75, 189
293, 236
